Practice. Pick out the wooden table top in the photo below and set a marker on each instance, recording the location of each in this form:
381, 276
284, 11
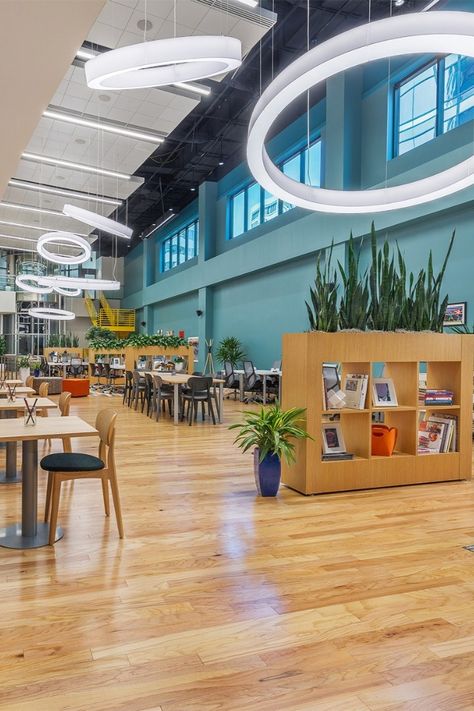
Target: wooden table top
12, 381
19, 391
16, 431
180, 378
42, 403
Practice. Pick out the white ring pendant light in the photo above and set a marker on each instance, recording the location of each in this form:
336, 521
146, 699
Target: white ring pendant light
31, 282
163, 62
67, 292
51, 314
94, 220
434, 33
64, 238
79, 283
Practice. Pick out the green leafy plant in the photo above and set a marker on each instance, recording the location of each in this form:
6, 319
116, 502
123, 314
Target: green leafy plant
323, 313
272, 430
53, 341
178, 359
384, 284
34, 364
3, 345
103, 339
75, 341
23, 361
463, 330
354, 304
230, 349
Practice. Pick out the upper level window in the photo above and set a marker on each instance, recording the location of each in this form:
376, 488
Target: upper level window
253, 206
180, 247
432, 101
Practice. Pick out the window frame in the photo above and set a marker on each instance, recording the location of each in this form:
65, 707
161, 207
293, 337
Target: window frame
440, 63
166, 244
301, 153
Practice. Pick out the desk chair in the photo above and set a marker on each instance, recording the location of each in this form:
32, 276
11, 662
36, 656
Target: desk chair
68, 466
231, 380
252, 382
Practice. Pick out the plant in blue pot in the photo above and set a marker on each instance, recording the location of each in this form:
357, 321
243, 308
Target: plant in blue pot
271, 432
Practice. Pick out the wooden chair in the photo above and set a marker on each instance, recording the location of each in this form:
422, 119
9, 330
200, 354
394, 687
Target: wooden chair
69, 466
29, 381
43, 391
64, 404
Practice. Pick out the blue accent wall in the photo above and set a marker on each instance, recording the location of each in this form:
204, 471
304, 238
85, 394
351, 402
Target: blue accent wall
254, 287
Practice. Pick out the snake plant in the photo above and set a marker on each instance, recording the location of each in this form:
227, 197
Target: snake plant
323, 313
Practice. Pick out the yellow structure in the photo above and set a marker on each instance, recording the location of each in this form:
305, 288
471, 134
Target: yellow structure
117, 320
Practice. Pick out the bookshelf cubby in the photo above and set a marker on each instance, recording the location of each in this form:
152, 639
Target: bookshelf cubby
448, 360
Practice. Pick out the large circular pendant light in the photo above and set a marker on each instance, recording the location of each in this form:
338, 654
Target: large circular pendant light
31, 282
64, 238
79, 283
67, 292
51, 314
102, 223
163, 62
433, 33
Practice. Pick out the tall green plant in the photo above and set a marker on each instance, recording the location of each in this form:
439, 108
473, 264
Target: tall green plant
230, 349
3, 345
322, 313
384, 284
354, 304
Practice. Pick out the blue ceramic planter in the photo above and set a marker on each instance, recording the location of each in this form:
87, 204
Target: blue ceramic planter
267, 474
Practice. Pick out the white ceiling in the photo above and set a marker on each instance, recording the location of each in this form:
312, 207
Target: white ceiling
153, 110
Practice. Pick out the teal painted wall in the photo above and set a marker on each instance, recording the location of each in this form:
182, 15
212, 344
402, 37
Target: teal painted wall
254, 287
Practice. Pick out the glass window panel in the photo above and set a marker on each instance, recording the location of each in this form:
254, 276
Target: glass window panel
270, 206
417, 109
174, 251
166, 255
312, 165
292, 168
191, 251
238, 214
253, 206
458, 91
182, 246
196, 251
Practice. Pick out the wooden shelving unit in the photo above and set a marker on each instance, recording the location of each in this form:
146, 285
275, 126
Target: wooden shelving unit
449, 360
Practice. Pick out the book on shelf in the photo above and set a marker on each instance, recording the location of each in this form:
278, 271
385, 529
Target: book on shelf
437, 434
337, 457
437, 397
355, 390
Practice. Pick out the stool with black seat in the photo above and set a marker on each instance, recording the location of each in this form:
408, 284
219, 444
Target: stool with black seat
68, 466
198, 390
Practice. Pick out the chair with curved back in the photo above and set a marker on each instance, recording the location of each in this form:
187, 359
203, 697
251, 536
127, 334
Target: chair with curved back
198, 391
252, 382
161, 395
29, 381
68, 466
138, 389
231, 380
64, 404
128, 387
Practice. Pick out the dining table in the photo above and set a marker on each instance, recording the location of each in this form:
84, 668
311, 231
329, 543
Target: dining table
177, 379
29, 532
9, 410
11, 381
22, 390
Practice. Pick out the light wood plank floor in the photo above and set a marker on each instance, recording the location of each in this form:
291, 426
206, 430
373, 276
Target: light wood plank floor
218, 601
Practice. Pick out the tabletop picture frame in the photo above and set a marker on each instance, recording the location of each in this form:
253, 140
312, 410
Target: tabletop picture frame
384, 393
333, 438
455, 314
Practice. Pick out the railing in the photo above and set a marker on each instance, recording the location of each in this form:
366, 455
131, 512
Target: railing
117, 319
91, 310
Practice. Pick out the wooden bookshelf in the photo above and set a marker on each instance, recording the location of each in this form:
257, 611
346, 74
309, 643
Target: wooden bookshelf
449, 361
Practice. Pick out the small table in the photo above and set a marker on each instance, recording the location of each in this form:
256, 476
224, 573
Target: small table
9, 410
264, 375
181, 379
24, 390
12, 381
28, 533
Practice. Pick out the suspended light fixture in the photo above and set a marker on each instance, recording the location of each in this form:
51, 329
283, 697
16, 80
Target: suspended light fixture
36, 158
438, 33
30, 282
102, 223
84, 283
14, 183
34, 227
107, 127
64, 238
67, 292
51, 314
163, 62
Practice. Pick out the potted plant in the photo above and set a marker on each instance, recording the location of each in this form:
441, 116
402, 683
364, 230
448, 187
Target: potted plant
178, 363
230, 349
271, 432
35, 365
23, 364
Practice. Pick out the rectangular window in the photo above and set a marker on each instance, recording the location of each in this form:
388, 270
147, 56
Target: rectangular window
254, 197
432, 101
180, 247
238, 214
254, 205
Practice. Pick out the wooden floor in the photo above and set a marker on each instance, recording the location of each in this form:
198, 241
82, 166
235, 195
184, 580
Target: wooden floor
218, 601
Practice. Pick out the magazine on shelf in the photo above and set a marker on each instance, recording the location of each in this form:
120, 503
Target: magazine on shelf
437, 434
355, 390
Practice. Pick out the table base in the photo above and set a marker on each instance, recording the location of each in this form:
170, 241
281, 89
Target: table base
10, 537
5, 479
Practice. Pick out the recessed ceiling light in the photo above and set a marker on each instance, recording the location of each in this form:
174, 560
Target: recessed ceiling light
104, 97
103, 126
250, 3
399, 3
84, 54
144, 25
14, 183
75, 166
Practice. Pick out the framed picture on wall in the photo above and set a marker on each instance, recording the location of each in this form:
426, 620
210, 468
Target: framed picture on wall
455, 314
